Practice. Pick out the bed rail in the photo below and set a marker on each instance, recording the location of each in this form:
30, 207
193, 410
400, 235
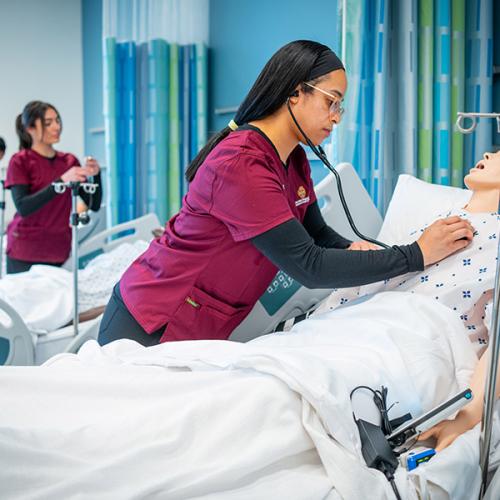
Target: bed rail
17, 344
137, 229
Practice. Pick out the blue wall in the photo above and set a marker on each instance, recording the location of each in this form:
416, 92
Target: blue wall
244, 35
92, 78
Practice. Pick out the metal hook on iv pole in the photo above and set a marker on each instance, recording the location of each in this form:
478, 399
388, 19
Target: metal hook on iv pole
75, 219
461, 117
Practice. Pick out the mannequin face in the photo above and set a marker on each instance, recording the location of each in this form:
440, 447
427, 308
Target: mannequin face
486, 174
313, 109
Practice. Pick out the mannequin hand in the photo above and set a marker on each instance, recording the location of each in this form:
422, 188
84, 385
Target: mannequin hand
444, 237
447, 431
91, 166
74, 174
362, 245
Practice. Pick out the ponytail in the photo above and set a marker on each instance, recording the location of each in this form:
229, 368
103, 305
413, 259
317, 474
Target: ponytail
24, 138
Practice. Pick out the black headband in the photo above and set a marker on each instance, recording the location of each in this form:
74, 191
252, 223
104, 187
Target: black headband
326, 62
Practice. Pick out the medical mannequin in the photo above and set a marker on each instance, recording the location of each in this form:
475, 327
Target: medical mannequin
484, 181
39, 232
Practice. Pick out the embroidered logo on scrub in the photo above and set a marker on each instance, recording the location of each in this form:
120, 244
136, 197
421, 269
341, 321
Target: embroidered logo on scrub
302, 194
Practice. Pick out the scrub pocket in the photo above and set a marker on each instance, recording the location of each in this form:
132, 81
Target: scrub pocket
202, 316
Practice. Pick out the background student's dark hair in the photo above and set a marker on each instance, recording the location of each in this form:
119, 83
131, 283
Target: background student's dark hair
3, 147
288, 67
33, 111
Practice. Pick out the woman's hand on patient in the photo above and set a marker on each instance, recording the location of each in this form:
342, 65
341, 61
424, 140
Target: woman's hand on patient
362, 245
444, 237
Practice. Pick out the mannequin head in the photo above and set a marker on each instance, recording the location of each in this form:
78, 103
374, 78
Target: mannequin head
486, 174
484, 181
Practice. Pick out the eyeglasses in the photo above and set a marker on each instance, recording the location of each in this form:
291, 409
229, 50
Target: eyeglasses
336, 105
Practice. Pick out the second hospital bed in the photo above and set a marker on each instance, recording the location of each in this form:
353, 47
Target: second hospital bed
19, 345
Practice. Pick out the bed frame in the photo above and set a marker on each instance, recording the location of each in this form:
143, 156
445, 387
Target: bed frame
21, 346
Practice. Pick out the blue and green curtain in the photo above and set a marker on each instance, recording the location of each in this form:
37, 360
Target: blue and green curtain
411, 66
155, 95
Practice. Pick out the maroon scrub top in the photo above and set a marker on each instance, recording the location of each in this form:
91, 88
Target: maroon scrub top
44, 235
202, 277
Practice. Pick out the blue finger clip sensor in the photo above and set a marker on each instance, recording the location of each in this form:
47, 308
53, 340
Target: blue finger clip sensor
413, 460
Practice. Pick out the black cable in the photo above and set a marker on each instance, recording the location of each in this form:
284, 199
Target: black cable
319, 152
395, 488
380, 400
389, 474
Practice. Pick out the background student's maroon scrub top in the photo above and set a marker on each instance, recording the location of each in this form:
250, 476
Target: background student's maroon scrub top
203, 275
44, 235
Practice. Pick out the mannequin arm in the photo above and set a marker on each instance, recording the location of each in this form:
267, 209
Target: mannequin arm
447, 431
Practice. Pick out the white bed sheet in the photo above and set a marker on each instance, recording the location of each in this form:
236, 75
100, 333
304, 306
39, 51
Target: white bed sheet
43, 296
267, 419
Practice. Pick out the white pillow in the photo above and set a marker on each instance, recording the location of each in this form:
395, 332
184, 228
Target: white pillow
415, 203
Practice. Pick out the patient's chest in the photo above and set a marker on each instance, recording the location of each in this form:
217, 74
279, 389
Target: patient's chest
463, 282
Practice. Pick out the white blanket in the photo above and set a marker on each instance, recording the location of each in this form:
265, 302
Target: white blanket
43, 296
267, 419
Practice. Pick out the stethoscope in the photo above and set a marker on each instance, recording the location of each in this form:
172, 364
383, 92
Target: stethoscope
320, 153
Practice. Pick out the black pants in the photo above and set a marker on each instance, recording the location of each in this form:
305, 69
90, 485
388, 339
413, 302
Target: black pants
15, 266
118, 323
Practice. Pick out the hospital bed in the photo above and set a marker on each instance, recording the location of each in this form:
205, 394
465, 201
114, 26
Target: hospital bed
118, 374
21, 346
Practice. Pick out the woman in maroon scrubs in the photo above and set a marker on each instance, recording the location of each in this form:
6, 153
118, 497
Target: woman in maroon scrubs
40, 232
251, 210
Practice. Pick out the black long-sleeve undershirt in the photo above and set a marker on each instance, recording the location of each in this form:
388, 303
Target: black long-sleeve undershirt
322, 234
292, 249
93, 201
27, 203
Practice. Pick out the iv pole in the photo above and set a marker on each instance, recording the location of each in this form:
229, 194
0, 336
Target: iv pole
490, 385
494, 343
74, 220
